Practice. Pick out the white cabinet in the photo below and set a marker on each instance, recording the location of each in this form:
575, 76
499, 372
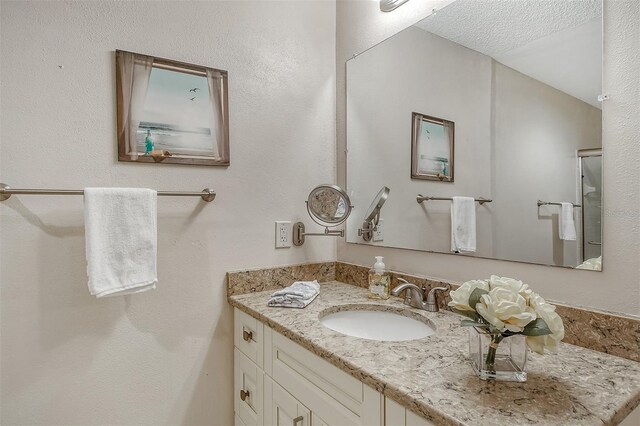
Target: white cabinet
248, 336
331, 394
278, 382
397, 415
249, 390
632, 419
282, 409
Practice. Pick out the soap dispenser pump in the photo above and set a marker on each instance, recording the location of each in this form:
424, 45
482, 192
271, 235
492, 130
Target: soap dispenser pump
379, 280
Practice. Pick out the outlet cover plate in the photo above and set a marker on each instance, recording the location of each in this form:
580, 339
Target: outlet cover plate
378, 233
283, 234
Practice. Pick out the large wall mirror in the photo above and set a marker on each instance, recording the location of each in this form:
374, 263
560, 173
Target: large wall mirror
520, 81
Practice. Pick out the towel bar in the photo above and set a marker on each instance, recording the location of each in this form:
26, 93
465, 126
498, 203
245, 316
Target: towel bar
420, 198
549, 203
6, 191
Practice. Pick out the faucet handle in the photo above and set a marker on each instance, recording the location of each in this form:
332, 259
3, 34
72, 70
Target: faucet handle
433, 290
403, 281
413, 294
432, 301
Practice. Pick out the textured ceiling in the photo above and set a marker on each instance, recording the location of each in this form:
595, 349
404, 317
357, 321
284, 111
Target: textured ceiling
558, 42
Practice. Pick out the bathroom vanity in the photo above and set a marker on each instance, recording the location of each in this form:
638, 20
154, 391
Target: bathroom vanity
292, 370
279, 382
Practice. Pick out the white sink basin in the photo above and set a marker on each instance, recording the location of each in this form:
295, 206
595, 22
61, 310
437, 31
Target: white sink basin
377, 325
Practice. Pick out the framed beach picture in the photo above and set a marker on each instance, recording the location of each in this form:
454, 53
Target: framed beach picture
432, 143
171, 112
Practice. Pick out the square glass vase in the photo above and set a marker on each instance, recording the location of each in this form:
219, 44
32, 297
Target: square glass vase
494, 357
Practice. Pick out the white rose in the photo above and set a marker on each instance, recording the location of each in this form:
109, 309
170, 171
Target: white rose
460, 296
548, 313
505, 308
514, 285
505, 282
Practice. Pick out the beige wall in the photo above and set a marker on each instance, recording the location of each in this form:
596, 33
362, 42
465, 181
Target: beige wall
165, 356
536, 133
360, 25
423, 69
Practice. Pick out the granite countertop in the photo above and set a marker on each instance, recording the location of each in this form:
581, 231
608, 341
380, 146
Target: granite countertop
433, 377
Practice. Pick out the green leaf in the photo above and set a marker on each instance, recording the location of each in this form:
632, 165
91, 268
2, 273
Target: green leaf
469, 323
469, 314
475, 296
536, 328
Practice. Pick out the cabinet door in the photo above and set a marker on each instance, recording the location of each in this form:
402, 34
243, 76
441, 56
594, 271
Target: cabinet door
394, 413
281, 408
416, 420
317, 421
397, 415
248, 389
238, 422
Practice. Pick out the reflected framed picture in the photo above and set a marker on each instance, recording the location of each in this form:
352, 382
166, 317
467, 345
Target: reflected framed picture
432, 147
171, 112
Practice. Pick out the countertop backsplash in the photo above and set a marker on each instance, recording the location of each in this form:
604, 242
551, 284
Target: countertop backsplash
601, 331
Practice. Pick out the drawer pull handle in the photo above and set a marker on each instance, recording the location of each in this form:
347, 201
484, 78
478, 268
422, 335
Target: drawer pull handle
297, 420
247, 335
244, 394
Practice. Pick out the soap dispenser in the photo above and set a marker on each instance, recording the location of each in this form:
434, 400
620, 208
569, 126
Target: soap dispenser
379, 280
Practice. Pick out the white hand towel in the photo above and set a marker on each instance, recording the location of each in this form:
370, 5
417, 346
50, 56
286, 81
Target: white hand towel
297, 295
463, 224
566, 226
121, 240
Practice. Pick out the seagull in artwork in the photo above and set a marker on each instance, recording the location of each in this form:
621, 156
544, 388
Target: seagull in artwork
191, 99
194, 90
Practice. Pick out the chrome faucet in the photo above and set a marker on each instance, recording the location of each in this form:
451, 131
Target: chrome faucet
415, 296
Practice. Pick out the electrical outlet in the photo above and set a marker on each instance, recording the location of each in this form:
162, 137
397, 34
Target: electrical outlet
377, 233
283, 234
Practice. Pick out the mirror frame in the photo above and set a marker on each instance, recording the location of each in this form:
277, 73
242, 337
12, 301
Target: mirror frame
416, 124
321, 221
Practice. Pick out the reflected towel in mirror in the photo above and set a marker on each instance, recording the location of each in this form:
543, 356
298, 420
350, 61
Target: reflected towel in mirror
566, 225
463, 224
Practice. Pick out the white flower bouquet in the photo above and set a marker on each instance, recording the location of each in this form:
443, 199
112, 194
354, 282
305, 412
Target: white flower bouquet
503, 307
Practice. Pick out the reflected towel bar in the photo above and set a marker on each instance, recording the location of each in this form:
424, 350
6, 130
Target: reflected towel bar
420, 198
549, 203
206, 194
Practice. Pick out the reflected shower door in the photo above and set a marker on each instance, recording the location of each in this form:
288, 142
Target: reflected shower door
591, 185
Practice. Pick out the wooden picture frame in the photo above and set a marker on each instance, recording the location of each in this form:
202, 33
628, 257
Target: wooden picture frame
432, 148
171, 112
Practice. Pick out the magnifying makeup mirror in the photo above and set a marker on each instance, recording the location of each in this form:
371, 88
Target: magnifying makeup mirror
372, 217
328, 205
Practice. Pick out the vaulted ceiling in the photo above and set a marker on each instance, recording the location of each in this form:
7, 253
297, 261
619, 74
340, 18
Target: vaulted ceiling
558, 42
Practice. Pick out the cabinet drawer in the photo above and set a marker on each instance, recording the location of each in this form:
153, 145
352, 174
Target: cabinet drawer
249, 336
248, 390
289, 356
333, 395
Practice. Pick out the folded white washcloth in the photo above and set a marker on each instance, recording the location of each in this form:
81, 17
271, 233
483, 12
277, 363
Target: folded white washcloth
297, 295
121, 240
566, 227
463, 224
